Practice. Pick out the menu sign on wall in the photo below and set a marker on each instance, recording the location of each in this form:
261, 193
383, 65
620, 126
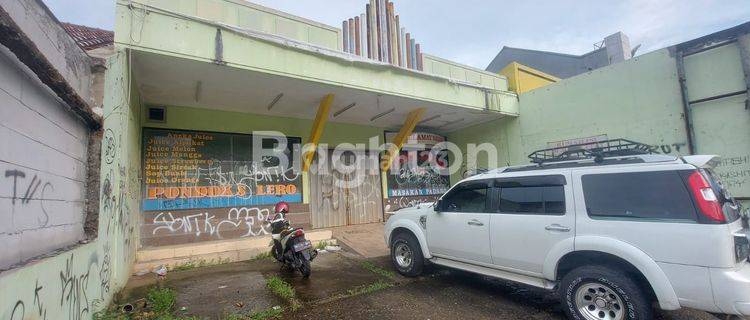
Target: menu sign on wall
192, 170
422, 171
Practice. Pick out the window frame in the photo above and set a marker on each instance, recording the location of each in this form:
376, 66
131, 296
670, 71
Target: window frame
487, 201
547, 180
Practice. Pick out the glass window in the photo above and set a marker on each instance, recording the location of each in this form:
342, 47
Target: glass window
642, 195
533, 200
470, 197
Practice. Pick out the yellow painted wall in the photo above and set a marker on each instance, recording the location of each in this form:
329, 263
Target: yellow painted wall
522, 78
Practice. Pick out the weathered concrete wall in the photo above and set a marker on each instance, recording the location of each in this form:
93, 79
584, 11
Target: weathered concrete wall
43, 163
638, 99
33, 34
76, 283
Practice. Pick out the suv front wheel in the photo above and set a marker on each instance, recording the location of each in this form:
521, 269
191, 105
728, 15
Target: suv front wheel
406, 254
603, 293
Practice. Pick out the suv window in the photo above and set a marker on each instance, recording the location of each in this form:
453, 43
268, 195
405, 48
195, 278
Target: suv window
467, 197
658, 195
536, 200
531, 195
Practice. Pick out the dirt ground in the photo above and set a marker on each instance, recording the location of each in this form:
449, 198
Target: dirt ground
333, 292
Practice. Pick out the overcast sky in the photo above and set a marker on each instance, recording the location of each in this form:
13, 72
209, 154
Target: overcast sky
473, 31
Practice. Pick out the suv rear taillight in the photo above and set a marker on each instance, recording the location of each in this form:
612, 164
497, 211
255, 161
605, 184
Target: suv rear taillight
741, 247
708, 203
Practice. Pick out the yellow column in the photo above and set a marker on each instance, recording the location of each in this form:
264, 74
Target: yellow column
317, 130
411, 122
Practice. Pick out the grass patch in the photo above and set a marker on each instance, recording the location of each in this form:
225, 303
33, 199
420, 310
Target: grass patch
321, 245
378, 270
262, 255
272, 313
159, 305
198, 264
110, 314
283, 290
377, 286
161, 300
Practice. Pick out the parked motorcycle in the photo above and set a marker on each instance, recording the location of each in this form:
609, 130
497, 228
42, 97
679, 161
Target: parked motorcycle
289, 244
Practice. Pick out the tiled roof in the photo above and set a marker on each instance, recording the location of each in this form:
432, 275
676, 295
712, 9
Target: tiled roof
89, 38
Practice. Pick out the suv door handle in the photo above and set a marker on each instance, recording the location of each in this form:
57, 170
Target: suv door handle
475, 222
557, 227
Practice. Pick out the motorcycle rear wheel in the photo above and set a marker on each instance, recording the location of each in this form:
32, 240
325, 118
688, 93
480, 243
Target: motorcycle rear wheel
304, 268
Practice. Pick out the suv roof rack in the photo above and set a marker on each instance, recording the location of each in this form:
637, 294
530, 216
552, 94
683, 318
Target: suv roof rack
592, 150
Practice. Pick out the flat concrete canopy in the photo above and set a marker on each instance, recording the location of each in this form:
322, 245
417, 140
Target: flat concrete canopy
231, 55
174, 81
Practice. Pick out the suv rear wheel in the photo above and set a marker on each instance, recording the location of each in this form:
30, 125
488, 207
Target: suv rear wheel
406, 255
603, 293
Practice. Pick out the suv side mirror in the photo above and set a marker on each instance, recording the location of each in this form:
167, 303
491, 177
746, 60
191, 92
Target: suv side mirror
438, 205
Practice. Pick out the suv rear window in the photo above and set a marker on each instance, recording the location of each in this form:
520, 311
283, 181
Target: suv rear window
655, 195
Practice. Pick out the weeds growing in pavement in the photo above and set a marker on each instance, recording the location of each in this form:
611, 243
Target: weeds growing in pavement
321, 245
262, 255
377, 286
272, 313
198, 264
283, 290
378, 270
161, 300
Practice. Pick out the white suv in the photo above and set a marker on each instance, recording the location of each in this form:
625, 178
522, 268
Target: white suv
612, 235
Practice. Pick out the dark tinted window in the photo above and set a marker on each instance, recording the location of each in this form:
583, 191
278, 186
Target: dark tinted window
469, 197
645, 195
533, 200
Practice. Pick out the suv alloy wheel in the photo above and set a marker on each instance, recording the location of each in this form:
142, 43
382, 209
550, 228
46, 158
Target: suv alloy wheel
406, 255
603, 293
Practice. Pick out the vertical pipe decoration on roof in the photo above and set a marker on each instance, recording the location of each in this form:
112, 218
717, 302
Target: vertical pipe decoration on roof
398, 42
345, 29
407, 44
419, 58
352, 45
377, 34
403, 47
384, 31
357, 40
363, 34
413, 46
372, 29
394, 37
379, 25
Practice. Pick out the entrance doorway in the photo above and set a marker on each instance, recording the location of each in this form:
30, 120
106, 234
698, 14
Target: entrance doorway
345, 189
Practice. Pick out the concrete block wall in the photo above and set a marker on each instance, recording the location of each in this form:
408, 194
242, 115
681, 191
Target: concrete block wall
42, 167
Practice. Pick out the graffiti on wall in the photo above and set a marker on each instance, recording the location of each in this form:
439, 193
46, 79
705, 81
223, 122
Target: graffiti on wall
201, 186
25, 190
198, 170
77, 283
420, 171
248, 220
734, 172
393, 204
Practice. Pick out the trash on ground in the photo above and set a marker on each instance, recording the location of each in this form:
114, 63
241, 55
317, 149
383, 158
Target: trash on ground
333, 248
161, 271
